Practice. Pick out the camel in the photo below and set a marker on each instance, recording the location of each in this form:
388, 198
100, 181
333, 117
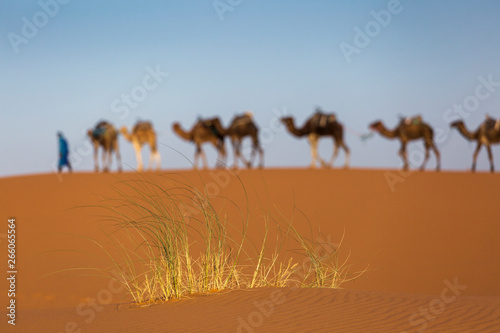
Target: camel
106, 136
242, 126
487, 133
204, 131
318, 125
143, 133
410, 129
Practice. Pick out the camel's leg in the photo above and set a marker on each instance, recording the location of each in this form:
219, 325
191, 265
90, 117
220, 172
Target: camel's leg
335, 154
152, 160
118, 157
195, 162
490, 157
247, 163
318, 156
105, 160
438, 156
200, 153
253, 153
241, 155
315, 151
243, 159
261, 157
255, 149
217, 148
347, 154
235, 157
320, 159
96, 159
252, 156
109, 160
197, 156
138, 156
474, 157
223, 154
204, 159
157, 159
404, 155
155, 154
236, 148
426, 158
313, 140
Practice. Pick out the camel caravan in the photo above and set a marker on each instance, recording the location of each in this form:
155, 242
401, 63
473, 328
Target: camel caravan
210, 130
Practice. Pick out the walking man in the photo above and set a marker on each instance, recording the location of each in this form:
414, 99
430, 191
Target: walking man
63, 153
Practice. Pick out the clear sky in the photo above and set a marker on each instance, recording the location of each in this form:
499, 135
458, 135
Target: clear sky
68, 64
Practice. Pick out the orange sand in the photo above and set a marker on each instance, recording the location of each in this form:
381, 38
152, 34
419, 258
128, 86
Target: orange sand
420, 236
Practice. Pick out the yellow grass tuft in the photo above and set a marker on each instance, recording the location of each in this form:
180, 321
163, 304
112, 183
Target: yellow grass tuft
162, 265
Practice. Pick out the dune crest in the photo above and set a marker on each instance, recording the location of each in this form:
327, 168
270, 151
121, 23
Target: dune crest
431, 241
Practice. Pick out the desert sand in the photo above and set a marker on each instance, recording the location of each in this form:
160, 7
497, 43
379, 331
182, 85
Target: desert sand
429, 242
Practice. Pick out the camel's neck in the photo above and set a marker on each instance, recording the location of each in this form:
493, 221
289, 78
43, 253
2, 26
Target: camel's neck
384, 131
182, 133
294, 130
218, 127
463, 130
126, 135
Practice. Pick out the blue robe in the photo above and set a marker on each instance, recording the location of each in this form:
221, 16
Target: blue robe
63, 151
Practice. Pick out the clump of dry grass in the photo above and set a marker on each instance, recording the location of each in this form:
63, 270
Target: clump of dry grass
177, 244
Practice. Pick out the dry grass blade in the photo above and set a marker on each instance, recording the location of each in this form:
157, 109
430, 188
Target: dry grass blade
163, 265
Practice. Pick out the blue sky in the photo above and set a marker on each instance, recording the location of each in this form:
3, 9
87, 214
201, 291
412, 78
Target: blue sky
272, 57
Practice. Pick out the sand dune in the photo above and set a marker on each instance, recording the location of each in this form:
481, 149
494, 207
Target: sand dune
430, 240
299, 310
